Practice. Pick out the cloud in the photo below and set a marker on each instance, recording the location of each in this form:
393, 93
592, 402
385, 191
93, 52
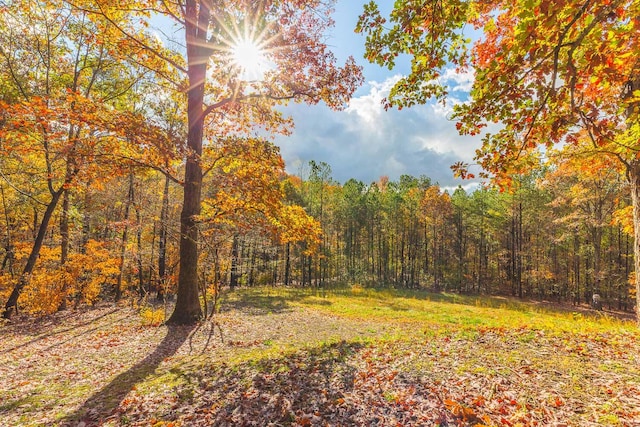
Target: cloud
366, 142
458, 81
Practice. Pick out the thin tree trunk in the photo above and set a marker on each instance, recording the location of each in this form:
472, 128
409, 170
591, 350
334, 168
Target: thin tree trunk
12, 303
634, 180
86, 220
162, 244
233, 280
287, 263
141, 288
64, 227
125, 233
7, 262
64, 245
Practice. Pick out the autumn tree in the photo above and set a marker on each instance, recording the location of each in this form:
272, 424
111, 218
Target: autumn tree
545, 71
588, 189
227, 94
52, 72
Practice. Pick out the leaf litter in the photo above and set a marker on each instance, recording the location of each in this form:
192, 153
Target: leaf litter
302, 366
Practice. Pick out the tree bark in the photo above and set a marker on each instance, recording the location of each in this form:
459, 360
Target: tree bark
125, 233
64, 245
633, 170
142, 289
187, 309
162, 245
233, 279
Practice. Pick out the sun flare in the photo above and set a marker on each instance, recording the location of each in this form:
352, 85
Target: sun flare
250, 58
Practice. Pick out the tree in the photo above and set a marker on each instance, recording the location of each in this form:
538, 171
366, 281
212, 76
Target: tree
591, 187
56, 109
545, 71
224, 97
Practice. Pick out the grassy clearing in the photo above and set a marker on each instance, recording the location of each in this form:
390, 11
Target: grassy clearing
443, 312
341, 357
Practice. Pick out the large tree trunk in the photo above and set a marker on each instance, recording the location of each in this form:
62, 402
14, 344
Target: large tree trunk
12, 302
634, 180
187, 309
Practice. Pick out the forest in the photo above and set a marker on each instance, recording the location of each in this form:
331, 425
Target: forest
160, 265
555, 237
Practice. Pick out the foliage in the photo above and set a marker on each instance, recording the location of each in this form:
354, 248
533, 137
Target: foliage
546, 73
81, 279
152, 316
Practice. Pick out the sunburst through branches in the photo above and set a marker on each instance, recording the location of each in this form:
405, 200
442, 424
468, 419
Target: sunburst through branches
250, 58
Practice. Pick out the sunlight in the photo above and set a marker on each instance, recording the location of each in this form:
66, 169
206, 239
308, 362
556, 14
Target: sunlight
250, 58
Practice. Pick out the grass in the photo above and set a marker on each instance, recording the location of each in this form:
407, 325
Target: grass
348, 356
447, 312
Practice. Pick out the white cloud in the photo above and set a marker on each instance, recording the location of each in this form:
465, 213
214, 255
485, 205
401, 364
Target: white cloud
369, 107
458, 81
365, 142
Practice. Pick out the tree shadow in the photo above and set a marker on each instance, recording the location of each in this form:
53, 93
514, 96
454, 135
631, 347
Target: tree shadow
35, 327
324, 385
103, 403
254, 303
279, 390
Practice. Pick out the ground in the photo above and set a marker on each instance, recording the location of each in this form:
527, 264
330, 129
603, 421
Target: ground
356, 357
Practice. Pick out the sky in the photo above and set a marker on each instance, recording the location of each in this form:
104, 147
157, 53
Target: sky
366, 142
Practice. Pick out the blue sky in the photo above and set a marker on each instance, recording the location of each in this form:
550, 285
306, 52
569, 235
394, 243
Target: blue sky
366, 142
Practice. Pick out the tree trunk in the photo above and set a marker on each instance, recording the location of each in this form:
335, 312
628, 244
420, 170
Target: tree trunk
287, 263
187, 309
125, 232
64, 245
162, 244
142, 289
233, 280
12, 302
86, 220
634, 180
9, 254
64, 228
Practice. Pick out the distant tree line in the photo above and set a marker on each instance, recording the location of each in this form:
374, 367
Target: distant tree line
552, 236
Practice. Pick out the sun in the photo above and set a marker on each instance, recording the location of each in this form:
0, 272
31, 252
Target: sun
249, 57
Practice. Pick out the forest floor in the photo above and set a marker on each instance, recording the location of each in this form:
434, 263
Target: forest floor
304, 358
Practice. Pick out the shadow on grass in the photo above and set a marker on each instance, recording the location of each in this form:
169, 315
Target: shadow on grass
278, 391
103, 403
262, 300
36, 326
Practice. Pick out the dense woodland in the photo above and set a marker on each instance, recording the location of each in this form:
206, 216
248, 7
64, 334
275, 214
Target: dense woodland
137, 166
554, 237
